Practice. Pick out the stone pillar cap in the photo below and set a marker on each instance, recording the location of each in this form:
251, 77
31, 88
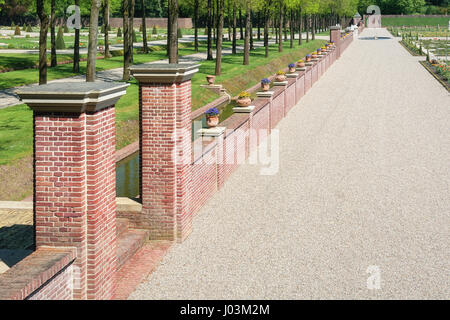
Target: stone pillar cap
164, 72
335, 28
73, 97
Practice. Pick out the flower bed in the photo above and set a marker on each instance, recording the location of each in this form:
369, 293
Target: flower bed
441, 71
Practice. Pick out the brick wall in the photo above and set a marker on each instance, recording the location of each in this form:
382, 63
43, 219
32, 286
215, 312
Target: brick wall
101, 203
277, 107
290, 95
75, 192
60, 186
58, 288
46, 274
157, 151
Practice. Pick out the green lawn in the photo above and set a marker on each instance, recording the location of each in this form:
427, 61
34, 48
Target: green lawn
16, 125
29, 76
415, 21
16, 61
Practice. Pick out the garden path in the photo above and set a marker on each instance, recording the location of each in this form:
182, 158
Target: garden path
363, 185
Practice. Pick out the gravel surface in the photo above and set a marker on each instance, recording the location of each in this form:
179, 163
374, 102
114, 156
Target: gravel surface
363, 181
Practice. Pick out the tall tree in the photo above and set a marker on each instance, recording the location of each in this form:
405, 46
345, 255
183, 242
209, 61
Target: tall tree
106, 8
144, 29
131, 29
126, 39
233, 45
53, 59
247, 34
221, 9
280, 26
43, 18
173, 31
196, 4
76, 46
209, 26
92, 46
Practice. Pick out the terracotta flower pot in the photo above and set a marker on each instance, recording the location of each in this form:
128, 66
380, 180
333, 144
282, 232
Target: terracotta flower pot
265, 86
210, 79
280, 77
212, 121
244, 102
308, 59
314, 56
300, 64
291, 70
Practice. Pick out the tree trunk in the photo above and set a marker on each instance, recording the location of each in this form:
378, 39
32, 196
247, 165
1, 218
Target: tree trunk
229, 20
221, 8
240, 24
106, 24
266, 32
209, 25
131, 29
53, 59
280, 29
92, 47
126, 46
251, 32
214, 22
76, 47
292, 29
196, 25
307, 27
247, 36
313, 27
300, 31
44, 22
173, 36
144, 29
259, 25
233, 46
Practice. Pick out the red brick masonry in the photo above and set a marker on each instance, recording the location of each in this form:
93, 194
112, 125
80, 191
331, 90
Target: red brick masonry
46, 274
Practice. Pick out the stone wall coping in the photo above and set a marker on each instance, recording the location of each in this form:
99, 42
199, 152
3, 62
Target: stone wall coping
76, 97
164, 72
31, 273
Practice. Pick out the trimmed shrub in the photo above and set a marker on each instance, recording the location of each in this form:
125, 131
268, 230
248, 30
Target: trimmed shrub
17, 31
116, 53
179, 33
119, 33
29, 29
66, 29
13, 26
155, 30
134, 36
60, 44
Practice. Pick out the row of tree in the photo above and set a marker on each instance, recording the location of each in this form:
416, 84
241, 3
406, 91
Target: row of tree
286, 18
297, 16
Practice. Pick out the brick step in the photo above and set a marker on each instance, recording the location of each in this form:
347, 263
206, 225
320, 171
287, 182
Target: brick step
122, 226
128, 243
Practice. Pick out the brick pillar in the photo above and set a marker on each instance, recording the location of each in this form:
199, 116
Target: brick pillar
74, 177
165, 148
335, 35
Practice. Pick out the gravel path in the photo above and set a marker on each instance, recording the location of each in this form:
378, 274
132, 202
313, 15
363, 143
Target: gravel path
364, 181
